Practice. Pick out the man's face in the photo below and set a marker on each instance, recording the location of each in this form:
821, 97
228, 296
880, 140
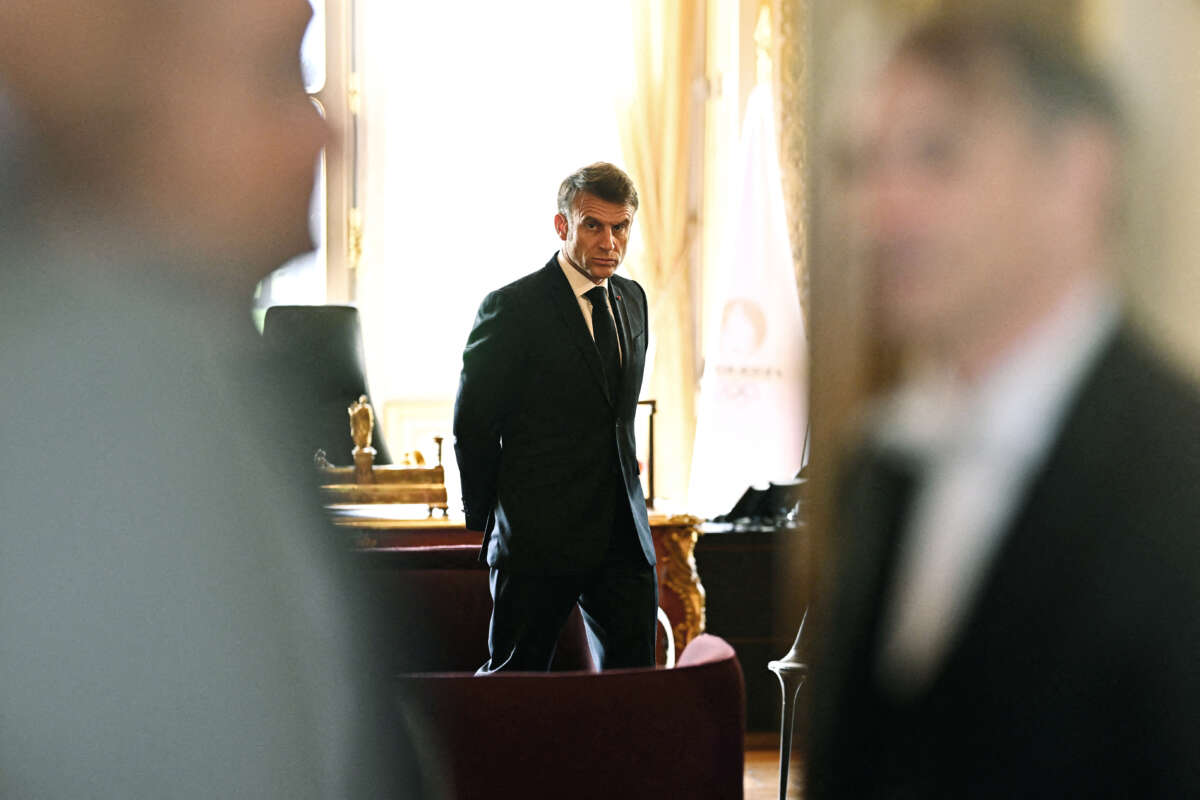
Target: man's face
950, 193
596, 235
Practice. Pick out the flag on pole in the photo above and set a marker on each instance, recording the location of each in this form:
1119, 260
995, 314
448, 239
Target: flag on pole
752, 412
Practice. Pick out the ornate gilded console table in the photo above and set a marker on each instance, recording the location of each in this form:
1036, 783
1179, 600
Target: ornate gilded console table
681, 595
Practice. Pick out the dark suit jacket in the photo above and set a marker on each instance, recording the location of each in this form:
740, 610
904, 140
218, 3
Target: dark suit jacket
1077, 671
543, 451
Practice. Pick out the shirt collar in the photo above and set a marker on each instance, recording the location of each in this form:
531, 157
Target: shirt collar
1014, 408
580, 283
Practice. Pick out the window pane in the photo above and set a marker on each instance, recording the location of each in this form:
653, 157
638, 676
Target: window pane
422, 145
312, 49
300, 281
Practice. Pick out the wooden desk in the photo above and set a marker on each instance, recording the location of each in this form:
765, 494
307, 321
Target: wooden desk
681, 595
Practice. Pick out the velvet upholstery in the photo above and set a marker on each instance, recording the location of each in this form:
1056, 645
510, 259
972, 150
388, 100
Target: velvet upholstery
436, 607
625, 734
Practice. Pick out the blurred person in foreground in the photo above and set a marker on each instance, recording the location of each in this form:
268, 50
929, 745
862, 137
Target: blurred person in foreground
174, 621
1017, 603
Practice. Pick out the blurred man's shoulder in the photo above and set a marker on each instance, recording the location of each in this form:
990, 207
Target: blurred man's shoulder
1152, 385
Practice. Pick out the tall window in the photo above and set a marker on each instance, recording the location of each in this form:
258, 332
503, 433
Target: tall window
470, 121
471, 115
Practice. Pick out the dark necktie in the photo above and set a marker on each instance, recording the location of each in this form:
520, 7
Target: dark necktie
605, 334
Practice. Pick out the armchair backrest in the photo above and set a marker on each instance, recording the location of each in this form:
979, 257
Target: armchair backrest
435, 607
627, 734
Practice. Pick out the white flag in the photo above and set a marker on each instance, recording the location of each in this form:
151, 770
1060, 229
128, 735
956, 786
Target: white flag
752, 413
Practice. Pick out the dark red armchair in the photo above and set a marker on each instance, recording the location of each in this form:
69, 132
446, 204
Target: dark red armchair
618, 735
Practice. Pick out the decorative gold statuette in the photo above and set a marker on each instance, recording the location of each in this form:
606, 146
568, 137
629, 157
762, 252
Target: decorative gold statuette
362, 426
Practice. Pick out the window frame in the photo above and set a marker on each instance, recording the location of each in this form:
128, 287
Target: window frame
340, 98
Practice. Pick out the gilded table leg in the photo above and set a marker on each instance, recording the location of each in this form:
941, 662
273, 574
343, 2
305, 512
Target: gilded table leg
676, 542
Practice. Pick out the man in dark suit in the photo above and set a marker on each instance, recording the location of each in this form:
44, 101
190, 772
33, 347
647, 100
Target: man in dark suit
1017, 593
544, 437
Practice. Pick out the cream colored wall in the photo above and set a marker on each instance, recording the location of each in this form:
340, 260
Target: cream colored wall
1154, 53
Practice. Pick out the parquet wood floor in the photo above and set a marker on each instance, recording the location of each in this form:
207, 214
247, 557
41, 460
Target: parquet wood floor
762, 770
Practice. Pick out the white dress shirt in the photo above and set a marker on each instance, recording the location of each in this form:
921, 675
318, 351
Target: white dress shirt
581, 285
979, 446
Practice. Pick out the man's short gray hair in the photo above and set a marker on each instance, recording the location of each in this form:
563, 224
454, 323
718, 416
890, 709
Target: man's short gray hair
604, 180
1050, 72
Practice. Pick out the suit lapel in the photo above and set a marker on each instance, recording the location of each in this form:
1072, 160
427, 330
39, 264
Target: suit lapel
567, 307
872, 502
622, 315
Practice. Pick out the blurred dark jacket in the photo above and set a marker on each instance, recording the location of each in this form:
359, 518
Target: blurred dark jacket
1074, 674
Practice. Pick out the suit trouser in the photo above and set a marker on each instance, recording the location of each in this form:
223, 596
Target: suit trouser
619, 601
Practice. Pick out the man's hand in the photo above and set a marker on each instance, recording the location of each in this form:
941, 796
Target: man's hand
485, 390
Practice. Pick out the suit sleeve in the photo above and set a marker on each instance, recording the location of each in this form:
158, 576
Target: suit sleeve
486, 390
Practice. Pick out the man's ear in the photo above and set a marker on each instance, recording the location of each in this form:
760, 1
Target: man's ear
1085, 182
560, 225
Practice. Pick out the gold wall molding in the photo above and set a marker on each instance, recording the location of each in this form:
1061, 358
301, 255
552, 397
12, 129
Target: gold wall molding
792, 110
354, 239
